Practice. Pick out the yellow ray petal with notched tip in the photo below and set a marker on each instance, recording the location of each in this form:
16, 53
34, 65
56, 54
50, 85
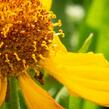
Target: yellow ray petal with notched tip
84, 74
47, 3
3, 89
35, 96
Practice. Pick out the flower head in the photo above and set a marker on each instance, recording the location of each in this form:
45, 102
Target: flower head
28, 40
26, 32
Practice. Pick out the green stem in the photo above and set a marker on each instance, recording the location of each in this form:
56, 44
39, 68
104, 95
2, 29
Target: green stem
13, 94
4, 106
75, 102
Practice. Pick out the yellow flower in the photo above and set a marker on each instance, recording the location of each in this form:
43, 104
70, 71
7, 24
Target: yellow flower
25, 28
27, 40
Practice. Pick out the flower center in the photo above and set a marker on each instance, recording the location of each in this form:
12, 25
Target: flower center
26, 31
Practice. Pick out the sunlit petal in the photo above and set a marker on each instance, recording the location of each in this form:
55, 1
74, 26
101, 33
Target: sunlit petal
35, 96
47, 3
3, 88
86, 74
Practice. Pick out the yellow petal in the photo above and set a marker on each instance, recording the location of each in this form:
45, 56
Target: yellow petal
84, 74
57, 46
35, 96
3, 89
47, 3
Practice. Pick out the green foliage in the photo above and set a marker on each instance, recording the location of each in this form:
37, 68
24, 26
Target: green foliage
90, 105
75, 102
86, 44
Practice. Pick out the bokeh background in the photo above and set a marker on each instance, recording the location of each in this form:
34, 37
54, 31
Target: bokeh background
79, 19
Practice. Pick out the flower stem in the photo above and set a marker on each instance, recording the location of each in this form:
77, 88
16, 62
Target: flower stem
13, 94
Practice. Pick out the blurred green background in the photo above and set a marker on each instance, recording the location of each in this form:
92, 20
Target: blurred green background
79, 19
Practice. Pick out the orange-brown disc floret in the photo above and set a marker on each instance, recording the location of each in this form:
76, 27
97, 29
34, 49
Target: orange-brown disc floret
26, 31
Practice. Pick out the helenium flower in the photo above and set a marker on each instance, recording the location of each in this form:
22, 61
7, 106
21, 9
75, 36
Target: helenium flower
28, 40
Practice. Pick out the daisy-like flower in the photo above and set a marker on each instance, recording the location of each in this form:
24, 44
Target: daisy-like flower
28, 40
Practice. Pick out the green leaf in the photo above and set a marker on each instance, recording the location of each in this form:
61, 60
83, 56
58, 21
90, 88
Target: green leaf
75, 102
13, 94
90, 105
62, 97
51, 85
22, 101
86, 44
4, 106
